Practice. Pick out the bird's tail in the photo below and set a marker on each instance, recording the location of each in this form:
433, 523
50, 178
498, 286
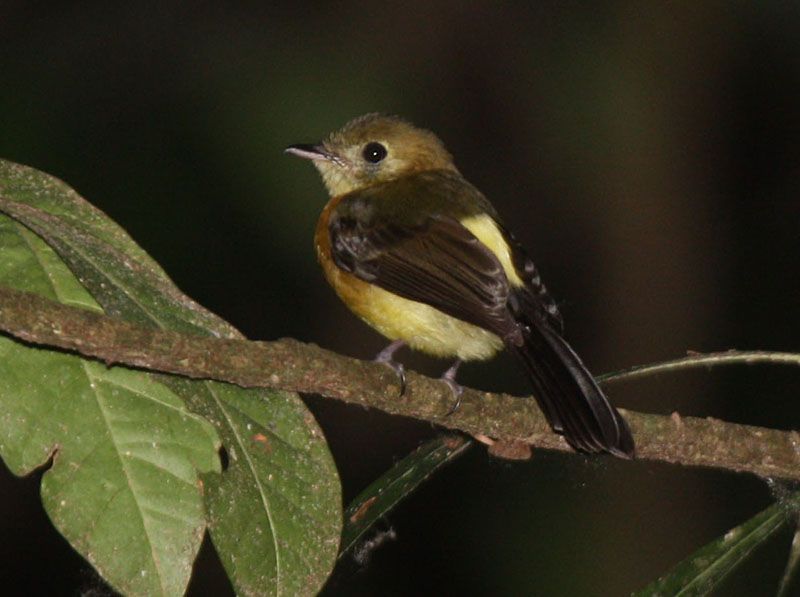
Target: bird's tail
569, 396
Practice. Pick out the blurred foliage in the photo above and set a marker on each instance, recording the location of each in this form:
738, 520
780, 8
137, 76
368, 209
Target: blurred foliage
647, 154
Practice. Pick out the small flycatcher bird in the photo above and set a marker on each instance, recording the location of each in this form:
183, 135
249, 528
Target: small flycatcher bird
421, 255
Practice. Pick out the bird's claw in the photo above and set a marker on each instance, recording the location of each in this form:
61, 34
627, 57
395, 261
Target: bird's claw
457, 391
400, 371
386, 356
449, 378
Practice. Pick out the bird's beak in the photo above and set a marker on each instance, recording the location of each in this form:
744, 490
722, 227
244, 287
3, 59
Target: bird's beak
309, 151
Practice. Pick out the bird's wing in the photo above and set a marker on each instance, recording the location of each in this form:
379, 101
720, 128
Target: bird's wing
436, 261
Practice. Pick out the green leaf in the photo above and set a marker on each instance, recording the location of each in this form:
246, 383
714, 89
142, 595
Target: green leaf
123, 487
396, 484
275, 513
701, 572
792, 564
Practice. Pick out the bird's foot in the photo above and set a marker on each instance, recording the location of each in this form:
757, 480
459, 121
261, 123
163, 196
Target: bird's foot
449, 377
386, 356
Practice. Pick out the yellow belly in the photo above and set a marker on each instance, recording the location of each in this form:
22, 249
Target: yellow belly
421, 326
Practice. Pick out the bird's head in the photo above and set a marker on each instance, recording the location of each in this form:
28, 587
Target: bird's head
372, 149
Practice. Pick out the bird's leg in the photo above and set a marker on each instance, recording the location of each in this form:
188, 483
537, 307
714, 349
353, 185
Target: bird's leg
449, 377
386, 356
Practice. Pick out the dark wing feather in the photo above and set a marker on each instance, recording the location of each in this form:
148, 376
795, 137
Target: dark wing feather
437, 262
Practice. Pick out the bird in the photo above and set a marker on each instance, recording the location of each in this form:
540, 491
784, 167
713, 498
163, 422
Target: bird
422, 256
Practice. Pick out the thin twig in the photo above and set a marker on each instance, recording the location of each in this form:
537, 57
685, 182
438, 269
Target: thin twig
730, 357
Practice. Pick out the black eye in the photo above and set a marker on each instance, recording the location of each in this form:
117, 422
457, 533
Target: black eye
374, 152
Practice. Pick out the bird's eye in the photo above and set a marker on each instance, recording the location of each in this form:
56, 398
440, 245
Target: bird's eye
374, 152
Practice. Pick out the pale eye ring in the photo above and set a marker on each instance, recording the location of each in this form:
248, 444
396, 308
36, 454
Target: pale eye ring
374, 152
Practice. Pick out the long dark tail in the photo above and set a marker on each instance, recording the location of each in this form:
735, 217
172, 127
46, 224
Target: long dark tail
569, 396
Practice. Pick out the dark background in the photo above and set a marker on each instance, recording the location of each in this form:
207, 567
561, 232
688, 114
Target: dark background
648, 154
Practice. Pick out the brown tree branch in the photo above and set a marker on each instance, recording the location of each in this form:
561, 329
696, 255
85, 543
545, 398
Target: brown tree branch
291, 365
